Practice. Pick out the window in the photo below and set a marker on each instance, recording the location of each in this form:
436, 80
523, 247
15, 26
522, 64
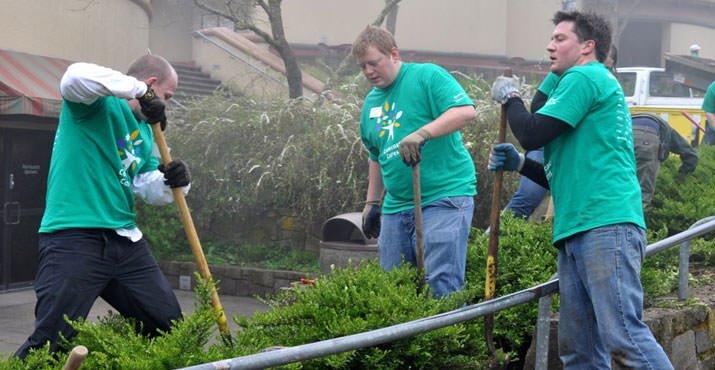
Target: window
663, 84
628, 82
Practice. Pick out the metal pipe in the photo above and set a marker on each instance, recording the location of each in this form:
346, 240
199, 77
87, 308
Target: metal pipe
684, 263
392, 333
541, 361
384, 335
708, 225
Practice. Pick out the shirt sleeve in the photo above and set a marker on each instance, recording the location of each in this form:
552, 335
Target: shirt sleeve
571, 99
86, 82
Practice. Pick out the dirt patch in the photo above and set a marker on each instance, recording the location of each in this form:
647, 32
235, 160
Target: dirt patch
704, 292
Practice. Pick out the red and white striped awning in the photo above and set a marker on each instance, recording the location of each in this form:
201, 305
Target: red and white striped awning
30, 83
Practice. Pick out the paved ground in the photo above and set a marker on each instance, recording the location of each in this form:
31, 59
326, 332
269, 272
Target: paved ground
17, 313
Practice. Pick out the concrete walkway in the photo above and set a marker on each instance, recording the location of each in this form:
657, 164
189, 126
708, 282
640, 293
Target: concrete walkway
17, 317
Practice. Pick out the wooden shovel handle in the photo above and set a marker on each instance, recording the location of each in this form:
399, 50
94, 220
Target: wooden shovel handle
75, 358
190, 229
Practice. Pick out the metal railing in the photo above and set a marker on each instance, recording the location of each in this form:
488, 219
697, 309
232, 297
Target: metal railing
400, 331
241, 59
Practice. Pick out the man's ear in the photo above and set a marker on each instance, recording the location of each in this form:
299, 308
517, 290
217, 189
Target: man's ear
395, 53
150, 81
588, 47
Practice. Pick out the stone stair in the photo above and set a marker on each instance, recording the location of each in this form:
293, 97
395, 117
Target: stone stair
193, 83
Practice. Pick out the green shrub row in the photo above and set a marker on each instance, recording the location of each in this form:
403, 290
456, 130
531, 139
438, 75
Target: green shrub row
350, 301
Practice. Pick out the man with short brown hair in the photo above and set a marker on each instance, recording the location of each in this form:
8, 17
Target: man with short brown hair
413, 115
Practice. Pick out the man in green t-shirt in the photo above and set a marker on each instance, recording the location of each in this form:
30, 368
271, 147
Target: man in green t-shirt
709, 108
589, 165
89, 243
413, 115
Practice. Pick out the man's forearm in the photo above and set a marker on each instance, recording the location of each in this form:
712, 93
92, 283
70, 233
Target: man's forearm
535, 172
375, 186
453, 119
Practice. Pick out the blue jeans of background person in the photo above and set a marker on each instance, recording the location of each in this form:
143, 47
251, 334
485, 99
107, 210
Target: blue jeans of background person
445, 228
79, 265
529, 194
602, 301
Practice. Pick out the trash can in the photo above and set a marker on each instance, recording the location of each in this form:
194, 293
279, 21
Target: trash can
343, 240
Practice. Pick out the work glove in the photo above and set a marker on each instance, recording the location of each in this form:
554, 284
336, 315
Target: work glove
176, 174
411, 146
505, 156
153, 108
504, 88
371, 219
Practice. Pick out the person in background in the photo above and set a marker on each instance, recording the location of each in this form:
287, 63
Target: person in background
653, 141
413, 115
89, 243
589, 166
709, 108
694, 50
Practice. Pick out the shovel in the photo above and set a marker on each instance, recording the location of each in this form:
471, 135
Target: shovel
491, 270
191, 230
417, 195
75, 358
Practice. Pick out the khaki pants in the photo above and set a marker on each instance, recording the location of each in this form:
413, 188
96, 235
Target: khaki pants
646, 143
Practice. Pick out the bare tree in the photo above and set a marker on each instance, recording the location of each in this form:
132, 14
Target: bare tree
390, 10
236, 11
617, 12
391, 22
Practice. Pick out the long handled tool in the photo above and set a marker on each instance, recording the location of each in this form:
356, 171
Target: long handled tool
490, 283
191, 230
417, 195
75, 358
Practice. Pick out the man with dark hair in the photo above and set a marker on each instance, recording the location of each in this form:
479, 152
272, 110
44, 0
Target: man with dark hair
589, 165
89, 243
413, 115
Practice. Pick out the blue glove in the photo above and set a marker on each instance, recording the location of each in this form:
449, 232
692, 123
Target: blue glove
504, 88
506, 157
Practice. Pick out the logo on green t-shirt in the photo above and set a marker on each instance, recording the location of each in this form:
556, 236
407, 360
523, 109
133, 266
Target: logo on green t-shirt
130, 159
387, 120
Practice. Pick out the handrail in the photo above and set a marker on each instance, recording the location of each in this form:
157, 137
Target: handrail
392, 333
262, 72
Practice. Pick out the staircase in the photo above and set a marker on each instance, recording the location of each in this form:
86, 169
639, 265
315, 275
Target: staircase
193, 83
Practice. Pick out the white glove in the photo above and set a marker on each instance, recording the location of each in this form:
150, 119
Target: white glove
504, 87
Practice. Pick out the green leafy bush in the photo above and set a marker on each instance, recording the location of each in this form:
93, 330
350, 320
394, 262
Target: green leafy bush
526, 258
679, 201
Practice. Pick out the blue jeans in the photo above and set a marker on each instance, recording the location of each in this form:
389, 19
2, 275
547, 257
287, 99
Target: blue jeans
79, 265
445, 223
529, 194
602, 301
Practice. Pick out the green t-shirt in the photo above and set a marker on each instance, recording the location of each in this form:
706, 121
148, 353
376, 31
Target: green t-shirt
548, 84
591, 169
98, 150
419, 94
709, 100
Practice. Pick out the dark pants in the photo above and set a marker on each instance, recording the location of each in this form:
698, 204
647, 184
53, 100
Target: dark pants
79, 265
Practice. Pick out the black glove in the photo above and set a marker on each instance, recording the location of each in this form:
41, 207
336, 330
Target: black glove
153, 108
176, 174
371, 219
